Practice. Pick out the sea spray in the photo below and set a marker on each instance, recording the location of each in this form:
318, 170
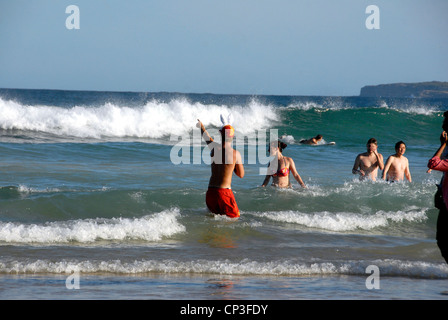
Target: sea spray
154, 119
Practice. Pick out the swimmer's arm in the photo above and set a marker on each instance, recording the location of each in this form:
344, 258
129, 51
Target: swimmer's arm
407, 172
387, 167
296, 175
356, 165
205, 135
379, 158
239, 168
266, 180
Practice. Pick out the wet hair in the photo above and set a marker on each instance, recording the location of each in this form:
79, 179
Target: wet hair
319, 136
372, 140
280, 144
397, 145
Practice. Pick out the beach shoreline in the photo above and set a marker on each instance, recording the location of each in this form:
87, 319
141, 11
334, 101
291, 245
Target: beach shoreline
157, 286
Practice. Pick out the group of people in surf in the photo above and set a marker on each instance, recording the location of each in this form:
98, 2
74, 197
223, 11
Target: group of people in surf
396, 167
226, 160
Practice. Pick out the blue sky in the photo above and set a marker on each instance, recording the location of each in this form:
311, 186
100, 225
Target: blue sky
285, 47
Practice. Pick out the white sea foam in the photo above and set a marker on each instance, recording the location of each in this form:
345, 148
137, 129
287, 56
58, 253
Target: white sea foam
388, 267
305, 106
337, 104
153, 120
26, 189
152, 227
345, 221
412, 108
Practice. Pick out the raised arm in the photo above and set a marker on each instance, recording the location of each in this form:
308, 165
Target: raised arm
205, 135
379, 158
435, 162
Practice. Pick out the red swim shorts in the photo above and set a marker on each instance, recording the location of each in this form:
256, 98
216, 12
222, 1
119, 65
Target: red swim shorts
222, 201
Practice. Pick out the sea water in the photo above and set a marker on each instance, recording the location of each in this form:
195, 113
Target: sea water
94, 203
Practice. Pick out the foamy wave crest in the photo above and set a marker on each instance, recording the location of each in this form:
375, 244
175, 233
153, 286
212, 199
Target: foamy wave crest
339, 104
329, 103
149, 228
305, 106
388, 267
153, 120
343, 221
412, 108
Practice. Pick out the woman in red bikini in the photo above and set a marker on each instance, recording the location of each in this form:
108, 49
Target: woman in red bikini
284, 166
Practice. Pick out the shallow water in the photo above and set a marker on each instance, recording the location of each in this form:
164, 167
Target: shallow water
90, 184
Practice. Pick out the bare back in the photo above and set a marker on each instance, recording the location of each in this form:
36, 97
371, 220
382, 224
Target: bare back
225, 161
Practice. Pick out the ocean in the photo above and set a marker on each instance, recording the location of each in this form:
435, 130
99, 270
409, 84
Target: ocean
102, 196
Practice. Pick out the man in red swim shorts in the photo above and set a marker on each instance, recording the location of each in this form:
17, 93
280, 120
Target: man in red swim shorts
222, 201
225, 161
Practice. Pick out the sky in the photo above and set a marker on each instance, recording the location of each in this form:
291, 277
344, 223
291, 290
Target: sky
281, 47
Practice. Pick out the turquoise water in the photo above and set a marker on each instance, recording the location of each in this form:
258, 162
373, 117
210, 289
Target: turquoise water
89, 184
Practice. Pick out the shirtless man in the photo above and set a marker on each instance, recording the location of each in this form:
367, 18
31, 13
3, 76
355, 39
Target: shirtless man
367, 163
397, 165
225, 160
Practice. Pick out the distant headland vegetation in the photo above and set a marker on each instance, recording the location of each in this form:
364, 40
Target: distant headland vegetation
433, 89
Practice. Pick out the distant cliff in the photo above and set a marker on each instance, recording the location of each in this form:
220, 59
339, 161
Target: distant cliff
434, 89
